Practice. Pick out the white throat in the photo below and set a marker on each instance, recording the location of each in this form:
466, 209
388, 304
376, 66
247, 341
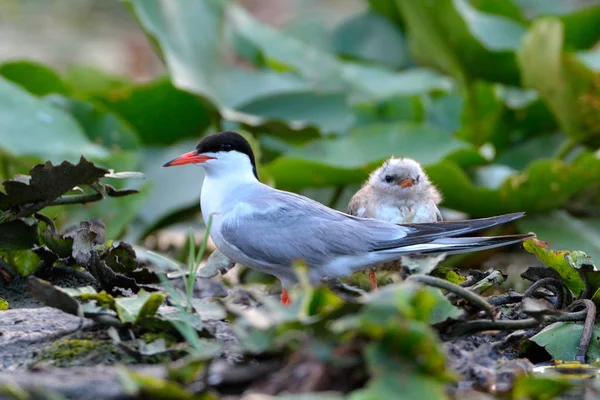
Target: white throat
226, 180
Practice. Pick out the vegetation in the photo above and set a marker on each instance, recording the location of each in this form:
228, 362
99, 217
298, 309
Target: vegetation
500, 101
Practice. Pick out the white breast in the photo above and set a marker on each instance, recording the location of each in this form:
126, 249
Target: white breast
403, 212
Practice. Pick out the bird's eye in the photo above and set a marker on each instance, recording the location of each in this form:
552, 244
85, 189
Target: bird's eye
226, 147
417, 178
389, 178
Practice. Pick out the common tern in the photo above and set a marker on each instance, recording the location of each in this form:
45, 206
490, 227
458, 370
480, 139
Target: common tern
268, 229
400, 192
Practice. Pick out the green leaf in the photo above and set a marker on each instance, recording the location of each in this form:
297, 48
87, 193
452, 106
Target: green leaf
134, 309
574, 233
36, 78
24, 262
483, 117
89, 81
495, 32
575, 101
370, 37
30, 126
450, 274
543, 186
144, 108
566, 263
462, 41
518, 156
59, 244
539, 388
101, 126
561, 341
190, 36
329, 112
413, 386
3, 304
377, 83
285, 53
349, 159
19, 234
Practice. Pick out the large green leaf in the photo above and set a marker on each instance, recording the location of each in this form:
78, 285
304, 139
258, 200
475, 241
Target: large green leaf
371, 37
543, 64
561, 340
35, 78
287, 53
190, 37
329, 111
349, 159
29, 126
377, 83
159, 112
542, 187
462, 41
101, 126
574, 233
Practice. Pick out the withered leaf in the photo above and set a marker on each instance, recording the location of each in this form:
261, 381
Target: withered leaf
48, 182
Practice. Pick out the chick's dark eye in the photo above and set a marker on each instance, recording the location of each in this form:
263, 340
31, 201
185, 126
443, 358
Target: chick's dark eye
226, 147
389, 178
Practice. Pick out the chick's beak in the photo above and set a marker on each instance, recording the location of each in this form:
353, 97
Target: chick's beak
188, 158
407, 182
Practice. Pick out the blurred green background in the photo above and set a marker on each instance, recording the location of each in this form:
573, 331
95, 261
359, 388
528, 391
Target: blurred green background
499, 99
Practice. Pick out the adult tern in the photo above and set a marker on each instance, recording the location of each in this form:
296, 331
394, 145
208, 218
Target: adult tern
268, 229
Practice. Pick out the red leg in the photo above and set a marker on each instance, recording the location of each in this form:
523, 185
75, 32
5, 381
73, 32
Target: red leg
285, 299
373, 279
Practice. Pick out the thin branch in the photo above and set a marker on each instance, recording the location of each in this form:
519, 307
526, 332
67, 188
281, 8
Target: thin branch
549, 282
469, 296
77, 199
588, 327
46, 220
513, 325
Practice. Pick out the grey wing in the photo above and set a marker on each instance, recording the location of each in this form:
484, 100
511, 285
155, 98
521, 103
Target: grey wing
285, 227
358, 203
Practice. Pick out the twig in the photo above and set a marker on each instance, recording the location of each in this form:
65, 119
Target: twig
469, 296
47, 220
552, 282
588, 327
77, 199
512, 325
503, 299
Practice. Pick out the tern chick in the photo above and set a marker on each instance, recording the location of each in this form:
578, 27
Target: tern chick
268, 229
400, 192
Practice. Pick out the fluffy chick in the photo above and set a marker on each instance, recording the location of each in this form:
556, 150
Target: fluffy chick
399, 191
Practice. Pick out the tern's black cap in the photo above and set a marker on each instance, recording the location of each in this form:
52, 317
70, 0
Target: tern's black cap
224, 142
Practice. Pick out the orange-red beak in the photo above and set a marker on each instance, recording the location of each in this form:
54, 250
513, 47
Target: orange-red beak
405, 183
188, 158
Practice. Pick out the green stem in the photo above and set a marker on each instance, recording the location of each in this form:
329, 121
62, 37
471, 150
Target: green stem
76, 199
471, 297
194, 262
